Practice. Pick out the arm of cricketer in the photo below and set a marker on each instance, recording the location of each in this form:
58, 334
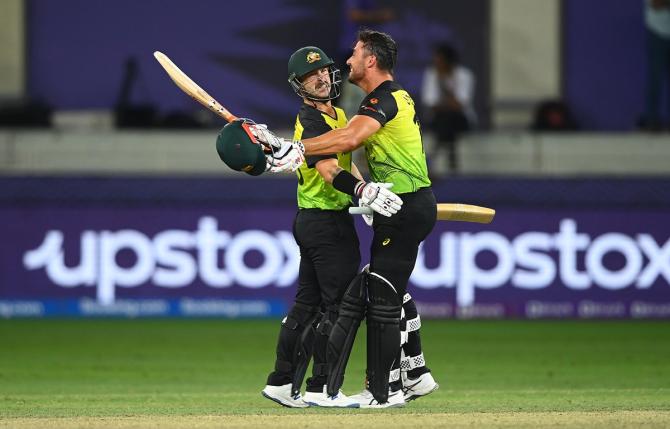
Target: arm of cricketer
291, 154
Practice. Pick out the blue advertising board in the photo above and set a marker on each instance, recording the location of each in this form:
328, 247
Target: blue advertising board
242, 261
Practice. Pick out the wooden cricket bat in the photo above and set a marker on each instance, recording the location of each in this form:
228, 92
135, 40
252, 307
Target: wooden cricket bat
450, 211
191, 88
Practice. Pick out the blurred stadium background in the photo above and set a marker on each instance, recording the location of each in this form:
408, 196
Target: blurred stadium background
114, 205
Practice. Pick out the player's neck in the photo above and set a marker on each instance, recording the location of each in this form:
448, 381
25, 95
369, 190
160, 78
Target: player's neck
322, 106
373, 80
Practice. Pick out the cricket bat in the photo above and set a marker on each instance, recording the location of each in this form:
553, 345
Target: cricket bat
450, 211
191, 88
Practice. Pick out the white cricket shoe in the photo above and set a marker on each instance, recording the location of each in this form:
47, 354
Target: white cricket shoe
415, 388
283, 396
321, 399
366, 400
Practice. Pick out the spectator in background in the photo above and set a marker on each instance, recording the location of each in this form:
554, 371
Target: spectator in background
447, 94
657, 21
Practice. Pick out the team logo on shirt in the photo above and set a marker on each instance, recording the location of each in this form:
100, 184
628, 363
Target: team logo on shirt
313, 57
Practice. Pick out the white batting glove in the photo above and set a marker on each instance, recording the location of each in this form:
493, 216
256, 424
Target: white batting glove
367, 218
265, 136
288, 157
378, 197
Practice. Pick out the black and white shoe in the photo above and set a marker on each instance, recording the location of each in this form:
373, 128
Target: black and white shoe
366, 400
414, 388
284, 396
321, 399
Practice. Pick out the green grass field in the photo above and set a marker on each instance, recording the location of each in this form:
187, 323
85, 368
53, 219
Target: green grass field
209, 373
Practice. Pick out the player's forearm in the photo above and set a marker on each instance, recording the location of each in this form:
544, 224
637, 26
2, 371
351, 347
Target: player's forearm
328, 169
336, 141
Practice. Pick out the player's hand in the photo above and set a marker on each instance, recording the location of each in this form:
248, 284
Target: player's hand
379, 198
367, 218
266, 137
288, 157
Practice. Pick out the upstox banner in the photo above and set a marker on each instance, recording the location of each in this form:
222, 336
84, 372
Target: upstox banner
232, 262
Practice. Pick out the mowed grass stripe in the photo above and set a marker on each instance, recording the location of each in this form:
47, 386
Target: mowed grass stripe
70, 368
370, 420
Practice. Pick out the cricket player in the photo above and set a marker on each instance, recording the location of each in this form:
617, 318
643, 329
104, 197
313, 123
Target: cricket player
387, 125
325, 233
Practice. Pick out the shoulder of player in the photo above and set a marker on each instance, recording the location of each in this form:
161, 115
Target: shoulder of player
383, 94
309, 113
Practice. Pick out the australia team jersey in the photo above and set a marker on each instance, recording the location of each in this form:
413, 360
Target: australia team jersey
313, 191
395, 152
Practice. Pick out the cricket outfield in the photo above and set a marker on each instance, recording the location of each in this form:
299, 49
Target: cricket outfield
209, 373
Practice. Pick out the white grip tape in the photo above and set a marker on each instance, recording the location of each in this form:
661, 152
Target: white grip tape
361, 210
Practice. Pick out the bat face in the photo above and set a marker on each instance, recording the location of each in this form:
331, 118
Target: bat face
191, 88
465, 213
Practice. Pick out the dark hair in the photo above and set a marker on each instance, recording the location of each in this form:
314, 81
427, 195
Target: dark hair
448, 52
381, 45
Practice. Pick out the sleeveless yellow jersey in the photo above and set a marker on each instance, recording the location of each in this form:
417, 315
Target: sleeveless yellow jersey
313, 191
395, 152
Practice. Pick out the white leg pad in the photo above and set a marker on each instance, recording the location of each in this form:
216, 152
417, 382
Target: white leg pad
410, 362
413, 324
394, 375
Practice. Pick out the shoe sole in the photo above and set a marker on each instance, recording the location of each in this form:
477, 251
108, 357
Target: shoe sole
413, 397
314, 404
372, 407
280, 402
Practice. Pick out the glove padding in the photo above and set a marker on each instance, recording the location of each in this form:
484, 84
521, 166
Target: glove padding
280, 154
378, 197
265, 137
369, 218
289, 157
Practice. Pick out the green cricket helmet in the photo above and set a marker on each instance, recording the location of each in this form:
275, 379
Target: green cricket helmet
306, 60
239, 149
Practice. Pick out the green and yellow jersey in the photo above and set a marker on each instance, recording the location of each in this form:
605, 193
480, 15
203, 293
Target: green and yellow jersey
313, 191
395, 152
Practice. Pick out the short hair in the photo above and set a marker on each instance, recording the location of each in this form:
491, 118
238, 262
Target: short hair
381, 45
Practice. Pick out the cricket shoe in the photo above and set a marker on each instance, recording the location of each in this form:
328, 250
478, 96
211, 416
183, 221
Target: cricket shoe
415, 388
321, 399
366, 400
284, 396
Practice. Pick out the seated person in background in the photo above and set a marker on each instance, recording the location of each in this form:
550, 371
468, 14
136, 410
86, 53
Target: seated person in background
447, 94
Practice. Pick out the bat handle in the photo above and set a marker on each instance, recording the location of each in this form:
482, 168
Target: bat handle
360, 210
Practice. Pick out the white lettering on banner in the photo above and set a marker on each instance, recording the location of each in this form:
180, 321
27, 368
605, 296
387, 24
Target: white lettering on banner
526, 260
168, 260
175, 258
210, 240
659, 261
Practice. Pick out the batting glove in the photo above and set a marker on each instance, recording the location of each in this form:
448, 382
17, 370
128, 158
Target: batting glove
378, 197
267, 138
289, 157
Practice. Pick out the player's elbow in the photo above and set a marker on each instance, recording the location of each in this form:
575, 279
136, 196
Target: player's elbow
350, 143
